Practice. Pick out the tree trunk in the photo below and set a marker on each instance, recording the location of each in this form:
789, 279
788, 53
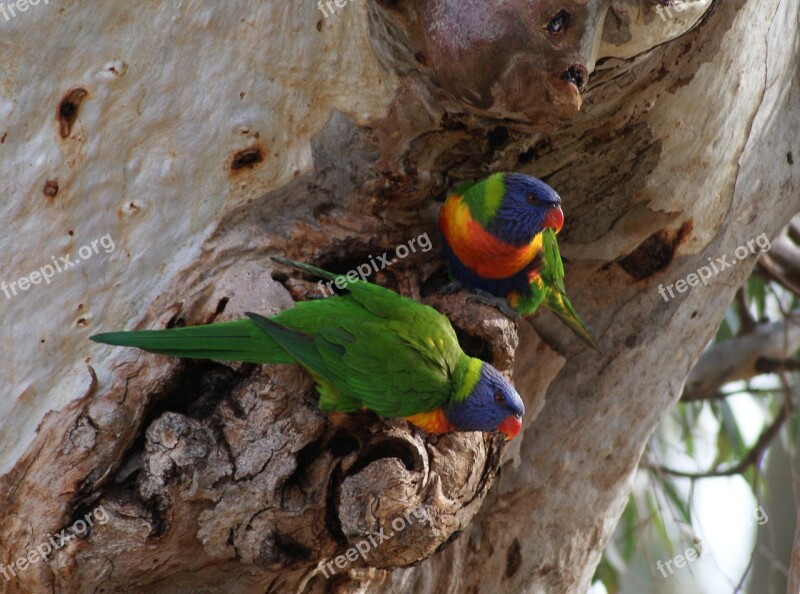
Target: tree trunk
202, 137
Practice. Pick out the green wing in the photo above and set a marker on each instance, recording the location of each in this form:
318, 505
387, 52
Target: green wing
372, 361
395, 355
552, 268
556, 300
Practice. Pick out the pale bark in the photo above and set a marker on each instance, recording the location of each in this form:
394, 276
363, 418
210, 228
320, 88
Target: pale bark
743, 357
212, 135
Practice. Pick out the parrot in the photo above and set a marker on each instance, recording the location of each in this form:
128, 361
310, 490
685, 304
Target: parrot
369, 348
499, 238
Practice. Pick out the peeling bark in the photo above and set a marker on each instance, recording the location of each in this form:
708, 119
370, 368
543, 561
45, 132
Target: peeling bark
270, 130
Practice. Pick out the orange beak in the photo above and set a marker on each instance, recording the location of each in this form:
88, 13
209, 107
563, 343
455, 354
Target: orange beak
554, 219
510, 426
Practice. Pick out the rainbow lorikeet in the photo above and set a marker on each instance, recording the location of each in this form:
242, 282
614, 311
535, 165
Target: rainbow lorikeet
367, 349
500, 238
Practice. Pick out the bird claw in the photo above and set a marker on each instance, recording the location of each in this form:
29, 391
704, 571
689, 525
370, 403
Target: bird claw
450, 288
499, 303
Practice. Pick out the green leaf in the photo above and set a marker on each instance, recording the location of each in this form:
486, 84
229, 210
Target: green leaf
657, 519
681, 506
749, 475
793, 432
724, 446
732, 428
757, 291
687, 414
630, 518
724, 332
607, 574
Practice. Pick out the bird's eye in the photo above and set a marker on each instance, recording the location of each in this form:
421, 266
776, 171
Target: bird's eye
533, 200
499, 398
559, 22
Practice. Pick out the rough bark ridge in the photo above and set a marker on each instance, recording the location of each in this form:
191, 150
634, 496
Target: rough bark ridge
227, 478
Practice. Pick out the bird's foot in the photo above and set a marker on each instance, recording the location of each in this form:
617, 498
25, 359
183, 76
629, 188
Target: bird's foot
499, 303
450, 288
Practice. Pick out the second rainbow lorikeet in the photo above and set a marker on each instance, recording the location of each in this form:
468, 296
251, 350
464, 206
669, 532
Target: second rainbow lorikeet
368, 349
500, 238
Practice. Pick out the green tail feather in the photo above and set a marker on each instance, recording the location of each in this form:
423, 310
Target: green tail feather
560, 305
302, 347
241, 340
310, 269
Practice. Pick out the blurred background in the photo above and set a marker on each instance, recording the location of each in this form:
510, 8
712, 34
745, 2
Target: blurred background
720, 473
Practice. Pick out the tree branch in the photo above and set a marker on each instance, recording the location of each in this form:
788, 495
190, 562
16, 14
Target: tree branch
768, 268
753, 456
743, 309
743, 357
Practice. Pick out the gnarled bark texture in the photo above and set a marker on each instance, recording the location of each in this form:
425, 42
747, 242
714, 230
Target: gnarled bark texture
203, 137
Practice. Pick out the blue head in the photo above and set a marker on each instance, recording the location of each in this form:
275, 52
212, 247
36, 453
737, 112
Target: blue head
492, 405
528, 206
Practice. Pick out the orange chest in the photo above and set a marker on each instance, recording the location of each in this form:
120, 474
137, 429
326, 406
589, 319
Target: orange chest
478, 249
432, 421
